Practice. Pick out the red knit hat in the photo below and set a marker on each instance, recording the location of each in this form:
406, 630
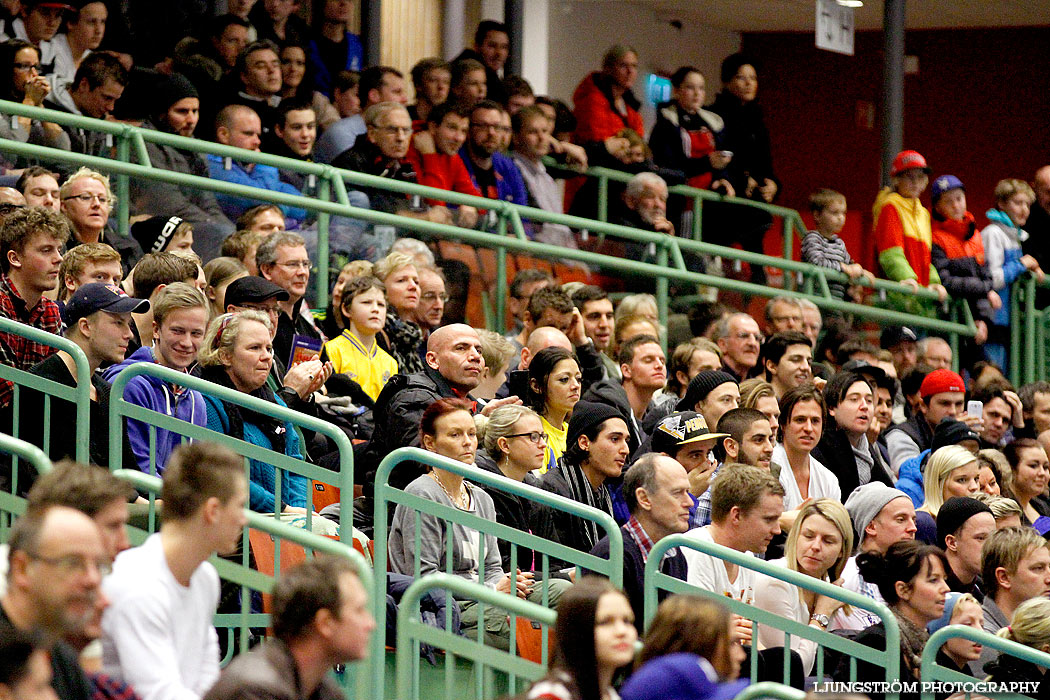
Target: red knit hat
939, 381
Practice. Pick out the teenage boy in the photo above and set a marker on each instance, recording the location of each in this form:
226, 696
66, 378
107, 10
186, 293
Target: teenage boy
180, 318
787, 358
436, 160
88, 262
942, 393
98, 320
824, 248
963, 526
157, 632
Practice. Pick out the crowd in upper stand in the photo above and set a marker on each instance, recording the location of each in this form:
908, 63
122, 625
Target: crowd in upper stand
871, 465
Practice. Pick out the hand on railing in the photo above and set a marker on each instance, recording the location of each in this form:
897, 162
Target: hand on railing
856, 271
742, 630
1032, 265
980, 337
942, 293
719, 159
466, 216
995, 300
768, 190
826, 605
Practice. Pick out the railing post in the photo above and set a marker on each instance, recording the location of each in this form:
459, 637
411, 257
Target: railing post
788, 229
603, 198
501, 289
1015, 335
1029, 330
323, 254
662, 291
698, 217
123, 186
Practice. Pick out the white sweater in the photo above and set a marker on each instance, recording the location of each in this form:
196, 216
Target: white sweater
157, 634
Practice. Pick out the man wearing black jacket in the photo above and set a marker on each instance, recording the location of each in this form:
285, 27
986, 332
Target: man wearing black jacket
844, 446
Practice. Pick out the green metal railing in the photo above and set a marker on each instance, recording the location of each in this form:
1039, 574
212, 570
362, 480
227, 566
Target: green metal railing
888, 658
934, 672
669, 266
490, 673
387, 495
357, 677
756, 691
120, 408
80, 395
11, 504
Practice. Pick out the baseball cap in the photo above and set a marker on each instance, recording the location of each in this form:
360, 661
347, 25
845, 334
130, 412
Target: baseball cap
49, 3
95, 296
679, 676
253, 289
895, 335
909, 160
681, 428
943, 184
939, 381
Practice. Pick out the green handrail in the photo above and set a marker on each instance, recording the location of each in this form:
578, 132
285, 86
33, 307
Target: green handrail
933, 671
11, 504
514, 213
655, 580
411, 631
120, 408
385, 494
242, 575
80, 395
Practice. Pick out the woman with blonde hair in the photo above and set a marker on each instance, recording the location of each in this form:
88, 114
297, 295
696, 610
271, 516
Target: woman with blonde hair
1030, 626
951, 471
818, 545
957, 653
692, 624
759, 394
401, 337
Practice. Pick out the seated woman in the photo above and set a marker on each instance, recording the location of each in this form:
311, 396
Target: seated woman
597, 448
1030, 626
594, 638
401, 336
20, 82
693, 624
1029, 474
554, 388
219, 273
447, 428
818, 545
355, 351
951, 471
956, 654
911, 578
237, 353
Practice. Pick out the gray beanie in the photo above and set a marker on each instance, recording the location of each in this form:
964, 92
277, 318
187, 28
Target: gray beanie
865, 503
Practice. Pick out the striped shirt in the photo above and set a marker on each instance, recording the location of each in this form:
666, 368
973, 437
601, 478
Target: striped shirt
827, 252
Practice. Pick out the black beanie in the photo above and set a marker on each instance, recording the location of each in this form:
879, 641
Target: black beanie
586, 415
951, 432
154, 234
953, 513
169, 91
701, 385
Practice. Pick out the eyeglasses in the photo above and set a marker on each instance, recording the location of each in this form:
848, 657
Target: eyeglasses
272, 310
491, 127
296, 265
25, 66
434, 296
534, 438
88, 198
71, 564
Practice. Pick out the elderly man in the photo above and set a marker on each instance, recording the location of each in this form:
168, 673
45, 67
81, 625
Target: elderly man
493, 173
739, 340
935, 352
382, 151
783, 314
378, 84
812, 322
283, 260
57, 560
321, 618
453, 369
239, 126
646, 204
432, 298
656, 490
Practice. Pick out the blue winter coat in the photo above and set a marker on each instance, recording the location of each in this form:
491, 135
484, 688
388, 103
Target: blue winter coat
156, 395
510, 187
909, 479
265, 177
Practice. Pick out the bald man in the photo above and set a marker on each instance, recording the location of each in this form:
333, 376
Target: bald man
588, 357
9, 195
453, 369
1038, 227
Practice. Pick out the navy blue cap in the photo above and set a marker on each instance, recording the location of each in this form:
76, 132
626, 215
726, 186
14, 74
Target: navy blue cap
95, 296
943, 184
680, 676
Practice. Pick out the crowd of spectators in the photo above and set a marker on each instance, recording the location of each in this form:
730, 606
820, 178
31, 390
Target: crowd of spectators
874, 466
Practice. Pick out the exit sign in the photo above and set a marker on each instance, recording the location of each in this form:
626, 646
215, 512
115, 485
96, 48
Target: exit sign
834, 27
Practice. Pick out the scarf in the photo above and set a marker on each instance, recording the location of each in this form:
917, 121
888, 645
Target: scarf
913, 639
271, 427
1003, 219
580, 491
402, 340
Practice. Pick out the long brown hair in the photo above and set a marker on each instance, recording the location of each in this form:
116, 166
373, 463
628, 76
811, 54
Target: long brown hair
689, 623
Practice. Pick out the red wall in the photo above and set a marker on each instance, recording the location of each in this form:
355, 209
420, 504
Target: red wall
978, 108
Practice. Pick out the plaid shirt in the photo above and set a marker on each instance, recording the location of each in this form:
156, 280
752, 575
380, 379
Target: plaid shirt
19, 352
106, 688
640, 537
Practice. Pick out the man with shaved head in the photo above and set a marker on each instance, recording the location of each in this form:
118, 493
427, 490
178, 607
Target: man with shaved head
9, 195
453, 369
543, 337
57, 561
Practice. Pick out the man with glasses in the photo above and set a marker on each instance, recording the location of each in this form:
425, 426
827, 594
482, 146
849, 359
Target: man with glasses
377, 84
783, 314
87, 202
739, 340
493, 173
57, 561
432, 298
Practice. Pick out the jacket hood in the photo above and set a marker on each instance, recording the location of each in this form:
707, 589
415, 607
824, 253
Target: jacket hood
669, 111
599, 83
962, 230
143, 354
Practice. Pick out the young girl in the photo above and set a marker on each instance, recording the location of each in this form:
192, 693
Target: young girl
956, 654
1002, 244
595, 637
1030, 626
355, 352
